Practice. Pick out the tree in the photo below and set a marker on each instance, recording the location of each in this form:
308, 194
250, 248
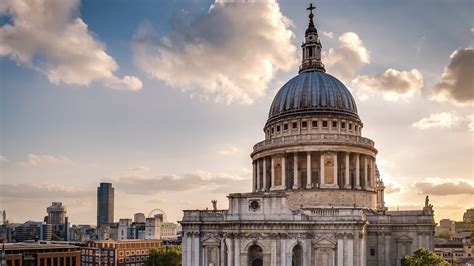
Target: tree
168, 256
424, 257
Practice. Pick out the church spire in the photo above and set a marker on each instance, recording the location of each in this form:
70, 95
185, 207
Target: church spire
311, 47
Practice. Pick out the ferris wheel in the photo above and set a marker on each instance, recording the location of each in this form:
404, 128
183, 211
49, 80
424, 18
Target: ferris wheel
158, 212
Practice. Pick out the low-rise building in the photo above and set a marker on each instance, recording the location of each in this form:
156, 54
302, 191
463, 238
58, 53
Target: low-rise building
32, 231
41, 254
120, 252
450, 250
169, 231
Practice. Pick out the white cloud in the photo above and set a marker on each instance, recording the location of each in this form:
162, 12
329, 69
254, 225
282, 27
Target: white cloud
42, 191
230, 54
392, 83
142, 181
228, 150
471, 123
48, 37
328, 34
445, 186
346, 60
437, 120
457, 81
3, 159
42, 159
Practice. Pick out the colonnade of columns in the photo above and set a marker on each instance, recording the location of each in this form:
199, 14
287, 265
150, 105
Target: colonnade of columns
330, 169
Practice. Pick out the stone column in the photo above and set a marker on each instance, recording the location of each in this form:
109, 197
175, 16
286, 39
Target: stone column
340, 252
272, 173
357, 249
308, 170
254, 183
373, 173
185, 256
387, 249
350, 250
336, 177
283, 252
222, 253
237, 250
283, 171
196, 249
259, 182
347, 174
230, 251
363, 250
296, 181
365, 161
265, 185
273, 253
357, 174
321, 170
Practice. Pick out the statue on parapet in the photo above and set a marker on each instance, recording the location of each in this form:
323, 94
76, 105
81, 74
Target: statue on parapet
214, 205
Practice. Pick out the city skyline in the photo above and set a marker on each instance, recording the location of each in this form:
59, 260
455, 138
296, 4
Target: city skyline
178, 132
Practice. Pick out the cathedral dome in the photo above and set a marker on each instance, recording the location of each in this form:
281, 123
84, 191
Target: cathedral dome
311, 93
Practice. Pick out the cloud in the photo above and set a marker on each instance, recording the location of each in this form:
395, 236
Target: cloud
392, 187
437, 120
346, 60
230, 54
3, 159
457, 81
328, 34
471, 123
49, 37
41, 159
142, 181
228, 150
439, 186
392, 83
42, 191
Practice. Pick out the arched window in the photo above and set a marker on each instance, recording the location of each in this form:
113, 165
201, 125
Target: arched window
255, 257
297, 257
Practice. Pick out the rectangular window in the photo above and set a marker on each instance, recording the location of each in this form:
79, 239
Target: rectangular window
325, 123
278, 128
304, 124
334, 124
343, 125
315, 123
372, 252
285, 126
350, 126
295, 125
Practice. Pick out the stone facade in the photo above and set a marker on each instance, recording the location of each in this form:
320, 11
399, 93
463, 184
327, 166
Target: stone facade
317, 197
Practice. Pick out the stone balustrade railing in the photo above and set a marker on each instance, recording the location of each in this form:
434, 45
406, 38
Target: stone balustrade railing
207, 215
314, 138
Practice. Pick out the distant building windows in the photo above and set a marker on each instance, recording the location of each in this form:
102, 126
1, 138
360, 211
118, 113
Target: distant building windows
285, 126
350, 126
334, 124
273, 130
295, 125
343, 124
314, 123
278, 128
304, 124
325, 124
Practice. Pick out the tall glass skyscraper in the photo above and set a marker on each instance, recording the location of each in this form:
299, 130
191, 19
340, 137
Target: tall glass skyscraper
105, 204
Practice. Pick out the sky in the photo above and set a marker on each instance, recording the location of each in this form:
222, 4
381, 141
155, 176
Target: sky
165, 99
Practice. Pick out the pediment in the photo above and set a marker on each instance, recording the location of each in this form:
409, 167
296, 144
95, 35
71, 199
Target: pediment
211, 241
